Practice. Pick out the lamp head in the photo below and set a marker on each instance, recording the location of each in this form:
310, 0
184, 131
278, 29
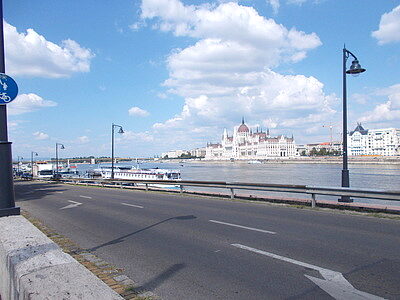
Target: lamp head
62, 147
355, 68
121, 131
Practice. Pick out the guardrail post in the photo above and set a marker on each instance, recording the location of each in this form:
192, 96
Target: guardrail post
147, 187
121, 185
232, 193
181, 188
313, 201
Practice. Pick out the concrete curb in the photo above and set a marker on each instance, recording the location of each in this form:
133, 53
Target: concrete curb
34, 267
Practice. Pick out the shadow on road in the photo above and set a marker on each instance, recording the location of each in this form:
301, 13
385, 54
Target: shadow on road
28, 190
122, 238
159, 279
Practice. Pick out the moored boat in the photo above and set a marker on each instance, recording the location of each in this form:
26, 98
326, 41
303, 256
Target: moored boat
131, 173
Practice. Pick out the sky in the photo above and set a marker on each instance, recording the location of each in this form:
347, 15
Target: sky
175, 73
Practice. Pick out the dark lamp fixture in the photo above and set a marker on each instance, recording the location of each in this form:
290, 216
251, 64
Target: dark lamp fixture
62, 147
355, 68
120, 130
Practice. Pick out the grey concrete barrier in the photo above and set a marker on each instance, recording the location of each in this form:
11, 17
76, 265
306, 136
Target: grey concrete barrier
34, 267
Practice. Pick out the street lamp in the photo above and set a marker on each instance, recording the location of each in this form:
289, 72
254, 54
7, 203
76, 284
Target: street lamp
32, 153
18, 160
62, 147
112, 146
7, 198
355, 69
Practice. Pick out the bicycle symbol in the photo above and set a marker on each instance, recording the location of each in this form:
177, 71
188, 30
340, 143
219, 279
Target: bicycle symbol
5, 97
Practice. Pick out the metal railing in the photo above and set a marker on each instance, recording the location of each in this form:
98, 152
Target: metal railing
232, 186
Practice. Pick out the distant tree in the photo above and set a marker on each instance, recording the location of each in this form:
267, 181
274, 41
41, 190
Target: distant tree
186, 155
313, 152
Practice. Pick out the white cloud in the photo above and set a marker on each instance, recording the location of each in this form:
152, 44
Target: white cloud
32, 55
270, 123
137, 25
162, 95
83, 139
389, 27
230, 22
228, 72
40, 135
130, 136
385, 112
275, 5
297, 2
382, 112
25, 103
360, 98
12, 125
136, 111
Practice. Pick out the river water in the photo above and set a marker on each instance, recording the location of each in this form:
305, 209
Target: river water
367, 176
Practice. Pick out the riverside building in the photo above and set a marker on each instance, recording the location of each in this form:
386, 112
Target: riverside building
385, 142
251, 145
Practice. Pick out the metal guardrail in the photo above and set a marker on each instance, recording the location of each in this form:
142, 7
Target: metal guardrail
232, 186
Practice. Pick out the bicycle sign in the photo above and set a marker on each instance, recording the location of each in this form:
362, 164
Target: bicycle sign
8, 89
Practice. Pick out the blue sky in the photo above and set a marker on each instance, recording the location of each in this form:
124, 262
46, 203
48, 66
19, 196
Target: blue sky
175, 73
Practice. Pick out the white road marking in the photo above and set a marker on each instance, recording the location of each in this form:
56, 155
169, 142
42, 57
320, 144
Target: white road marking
74, 204
132, 205
59, 192
244, 227
333, 283
87, 197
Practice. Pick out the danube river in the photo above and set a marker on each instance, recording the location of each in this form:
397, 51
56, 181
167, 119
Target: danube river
367, 176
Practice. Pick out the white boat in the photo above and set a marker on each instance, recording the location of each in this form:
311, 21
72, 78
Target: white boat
251, 162
131, 173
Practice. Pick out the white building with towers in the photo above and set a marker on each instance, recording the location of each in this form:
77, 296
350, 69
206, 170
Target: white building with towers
381, 142
247, 144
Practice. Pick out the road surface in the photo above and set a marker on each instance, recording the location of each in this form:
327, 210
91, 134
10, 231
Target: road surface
189, 247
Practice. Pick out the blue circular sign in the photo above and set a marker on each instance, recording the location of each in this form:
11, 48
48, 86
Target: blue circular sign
8, 89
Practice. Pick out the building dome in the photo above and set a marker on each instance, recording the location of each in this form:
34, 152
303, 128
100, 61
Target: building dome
243, 127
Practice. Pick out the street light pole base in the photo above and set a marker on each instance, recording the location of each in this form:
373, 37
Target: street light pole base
13, 211
345, 199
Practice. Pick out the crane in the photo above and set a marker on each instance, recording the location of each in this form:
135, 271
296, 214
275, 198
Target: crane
330, 126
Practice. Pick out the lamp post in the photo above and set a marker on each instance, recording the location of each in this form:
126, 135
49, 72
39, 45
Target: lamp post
18, 160
112, 146
32, 153
355, 69
62, 147
7, 199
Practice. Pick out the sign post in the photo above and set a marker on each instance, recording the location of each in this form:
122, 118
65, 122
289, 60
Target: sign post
7, 202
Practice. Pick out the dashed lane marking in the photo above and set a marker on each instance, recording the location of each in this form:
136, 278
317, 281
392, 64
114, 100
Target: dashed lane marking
86, 197
132, 205
244, 227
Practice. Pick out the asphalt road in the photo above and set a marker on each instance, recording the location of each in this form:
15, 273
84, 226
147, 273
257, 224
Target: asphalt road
187, 247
